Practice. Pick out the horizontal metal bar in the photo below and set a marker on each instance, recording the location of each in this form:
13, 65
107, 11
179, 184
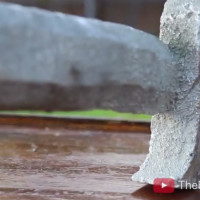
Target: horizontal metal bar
54, 61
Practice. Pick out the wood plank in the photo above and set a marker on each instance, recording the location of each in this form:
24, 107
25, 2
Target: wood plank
48, 163
58, 163
76, 123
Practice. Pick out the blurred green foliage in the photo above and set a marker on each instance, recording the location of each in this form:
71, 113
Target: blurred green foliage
86, 114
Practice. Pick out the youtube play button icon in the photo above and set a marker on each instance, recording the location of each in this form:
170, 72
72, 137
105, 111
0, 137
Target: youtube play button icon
163, 185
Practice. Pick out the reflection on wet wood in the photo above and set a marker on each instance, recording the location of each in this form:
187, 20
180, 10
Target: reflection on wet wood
59, 163
45, 163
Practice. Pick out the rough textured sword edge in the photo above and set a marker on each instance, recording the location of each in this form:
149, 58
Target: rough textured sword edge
174, 146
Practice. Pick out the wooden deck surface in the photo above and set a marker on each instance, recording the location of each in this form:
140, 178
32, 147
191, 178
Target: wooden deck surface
55, 163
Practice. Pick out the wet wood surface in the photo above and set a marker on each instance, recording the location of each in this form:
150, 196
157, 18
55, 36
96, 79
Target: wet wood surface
76, 123
59, 163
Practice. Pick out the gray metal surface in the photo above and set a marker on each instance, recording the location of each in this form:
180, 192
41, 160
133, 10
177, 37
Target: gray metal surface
174, 151
54, 61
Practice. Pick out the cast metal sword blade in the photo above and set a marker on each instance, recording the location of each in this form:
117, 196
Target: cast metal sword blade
54, 61
174, 147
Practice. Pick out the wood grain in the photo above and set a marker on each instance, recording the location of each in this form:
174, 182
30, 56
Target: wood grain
76, 123
57, 163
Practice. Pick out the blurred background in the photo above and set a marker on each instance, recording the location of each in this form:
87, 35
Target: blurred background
140, 14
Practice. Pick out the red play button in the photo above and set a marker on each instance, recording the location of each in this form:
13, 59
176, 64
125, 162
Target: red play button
163, 185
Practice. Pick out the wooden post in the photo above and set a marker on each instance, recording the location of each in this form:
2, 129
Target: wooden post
91, 8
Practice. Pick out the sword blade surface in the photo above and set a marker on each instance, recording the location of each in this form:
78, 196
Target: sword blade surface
53, 61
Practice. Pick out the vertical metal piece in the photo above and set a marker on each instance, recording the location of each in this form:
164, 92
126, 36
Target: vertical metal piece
175, 147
